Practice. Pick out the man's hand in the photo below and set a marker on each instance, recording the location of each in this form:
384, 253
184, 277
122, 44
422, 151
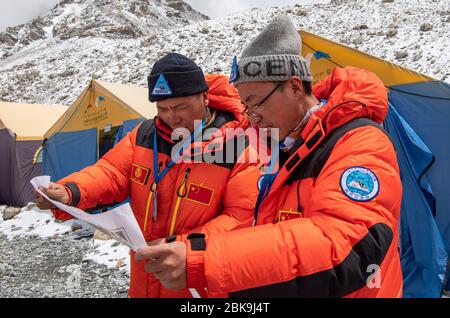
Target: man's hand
167, 262
55, 192
157, 242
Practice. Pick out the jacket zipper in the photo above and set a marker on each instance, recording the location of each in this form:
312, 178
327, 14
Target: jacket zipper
181, 193
149, 200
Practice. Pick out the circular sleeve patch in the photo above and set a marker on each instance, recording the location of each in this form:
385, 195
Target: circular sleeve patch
360, 184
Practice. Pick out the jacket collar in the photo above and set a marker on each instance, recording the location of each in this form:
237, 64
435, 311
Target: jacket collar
351, 93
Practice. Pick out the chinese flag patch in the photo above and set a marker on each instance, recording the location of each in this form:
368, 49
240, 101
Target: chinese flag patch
200, 194
289, 215
139, 174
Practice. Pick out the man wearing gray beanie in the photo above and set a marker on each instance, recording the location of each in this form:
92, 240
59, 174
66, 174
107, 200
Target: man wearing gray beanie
274, 57
326, 221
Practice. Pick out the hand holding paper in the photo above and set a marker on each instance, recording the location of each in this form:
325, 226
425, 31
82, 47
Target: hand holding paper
167, 262
56, 192
119, 223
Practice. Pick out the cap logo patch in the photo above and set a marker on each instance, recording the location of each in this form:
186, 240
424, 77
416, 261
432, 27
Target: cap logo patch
162, 87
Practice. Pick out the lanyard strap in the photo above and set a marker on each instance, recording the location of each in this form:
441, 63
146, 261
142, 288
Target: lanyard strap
159, 176
266, 184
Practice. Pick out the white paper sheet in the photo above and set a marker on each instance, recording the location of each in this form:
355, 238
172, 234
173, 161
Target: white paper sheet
119, 222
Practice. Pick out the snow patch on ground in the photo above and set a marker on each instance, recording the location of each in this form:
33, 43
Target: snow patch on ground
34, 222
111, 254
73, 282
2, 208
41, 223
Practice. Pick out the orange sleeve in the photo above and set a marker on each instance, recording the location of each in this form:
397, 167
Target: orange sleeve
107, 181
317, 256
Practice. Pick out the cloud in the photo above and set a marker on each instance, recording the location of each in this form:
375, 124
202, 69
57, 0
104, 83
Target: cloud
220, 8
22, 11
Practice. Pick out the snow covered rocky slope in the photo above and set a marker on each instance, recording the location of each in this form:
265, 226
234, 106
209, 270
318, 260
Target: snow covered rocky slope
51, 59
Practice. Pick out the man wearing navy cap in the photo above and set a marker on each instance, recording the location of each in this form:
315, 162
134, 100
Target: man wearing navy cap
170, 197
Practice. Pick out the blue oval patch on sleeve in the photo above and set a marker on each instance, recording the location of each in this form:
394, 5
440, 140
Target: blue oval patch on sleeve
360, 184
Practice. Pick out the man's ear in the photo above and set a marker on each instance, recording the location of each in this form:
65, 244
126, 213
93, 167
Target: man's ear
295, 83
205, 98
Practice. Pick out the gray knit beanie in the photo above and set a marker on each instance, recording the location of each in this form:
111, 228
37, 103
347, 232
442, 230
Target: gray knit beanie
273, 56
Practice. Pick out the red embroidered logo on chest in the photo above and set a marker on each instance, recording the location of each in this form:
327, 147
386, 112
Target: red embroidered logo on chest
140, 174
200, 194
289, 215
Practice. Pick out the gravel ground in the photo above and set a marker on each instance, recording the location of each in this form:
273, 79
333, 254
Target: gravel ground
36, 267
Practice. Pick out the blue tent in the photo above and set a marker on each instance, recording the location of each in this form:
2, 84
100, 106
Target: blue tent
418, 122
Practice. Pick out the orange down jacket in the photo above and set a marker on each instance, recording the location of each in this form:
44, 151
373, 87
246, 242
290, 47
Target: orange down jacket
192, 197
328, 227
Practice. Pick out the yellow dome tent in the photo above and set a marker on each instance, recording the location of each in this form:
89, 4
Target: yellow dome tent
102, 115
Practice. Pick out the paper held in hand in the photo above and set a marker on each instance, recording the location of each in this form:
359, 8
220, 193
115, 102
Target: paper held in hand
118, 223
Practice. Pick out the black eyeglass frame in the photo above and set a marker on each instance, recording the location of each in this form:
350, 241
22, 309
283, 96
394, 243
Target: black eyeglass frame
247, 110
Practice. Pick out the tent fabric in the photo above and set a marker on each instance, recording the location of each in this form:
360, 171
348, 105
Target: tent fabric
30, 121
68, 152
22, 127
420, 240
426, 107
17, 169
73, 142
429, 118
133, 96
129, 125
69, 114
117, 102
9, 171
28, 169
325, 55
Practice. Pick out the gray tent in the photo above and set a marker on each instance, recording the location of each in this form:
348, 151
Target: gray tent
22, 127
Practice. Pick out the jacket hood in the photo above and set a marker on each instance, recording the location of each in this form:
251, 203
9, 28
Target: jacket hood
350, 93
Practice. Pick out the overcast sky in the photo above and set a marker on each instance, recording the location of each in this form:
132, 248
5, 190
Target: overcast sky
219, 8
14, 12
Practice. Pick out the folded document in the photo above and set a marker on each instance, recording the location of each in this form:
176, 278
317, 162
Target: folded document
118, 223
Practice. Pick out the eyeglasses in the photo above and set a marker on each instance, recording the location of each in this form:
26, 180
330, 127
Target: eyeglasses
248, 111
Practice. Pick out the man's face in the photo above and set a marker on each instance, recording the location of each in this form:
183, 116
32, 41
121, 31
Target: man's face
280, 110
180, 112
